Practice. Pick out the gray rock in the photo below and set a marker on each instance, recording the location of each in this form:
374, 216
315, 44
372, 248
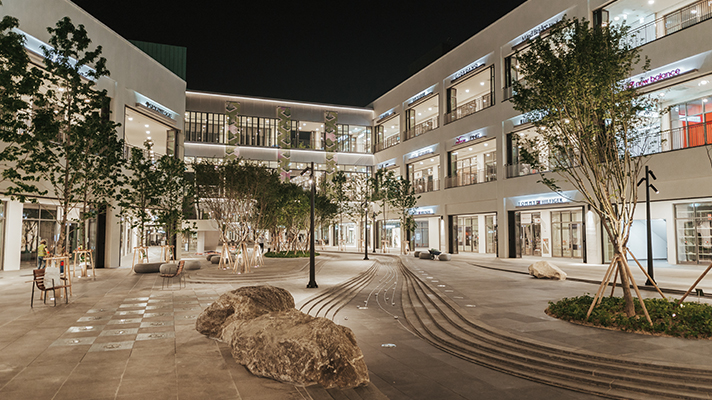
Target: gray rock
242, 304
444, 257
215, 259
192, 265
209, 256
147, 268
547, 270
424, 255
294, 347
416, 254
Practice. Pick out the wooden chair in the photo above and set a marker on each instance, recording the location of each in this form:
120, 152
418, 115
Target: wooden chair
39, 283
178, 273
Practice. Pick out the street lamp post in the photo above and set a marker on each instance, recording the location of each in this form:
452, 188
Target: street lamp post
648, 174
312, 267
365, 230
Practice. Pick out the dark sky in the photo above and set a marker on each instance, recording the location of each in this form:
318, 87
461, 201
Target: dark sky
334, 52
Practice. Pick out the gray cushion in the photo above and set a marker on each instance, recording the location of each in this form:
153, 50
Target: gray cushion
424, 255
444, 257
147, 268
192, 264
209, 256
215, 259
416, 254
169, 269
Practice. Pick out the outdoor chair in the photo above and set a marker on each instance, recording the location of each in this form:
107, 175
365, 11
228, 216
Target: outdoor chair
39, 275
171, 271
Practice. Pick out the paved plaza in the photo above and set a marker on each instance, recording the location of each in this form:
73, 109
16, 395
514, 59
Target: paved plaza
124, 337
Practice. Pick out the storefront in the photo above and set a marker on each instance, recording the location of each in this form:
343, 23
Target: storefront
471, 90
387, 131
693, 226
473, 163
475, 233
423, 168
422, 113
428, 229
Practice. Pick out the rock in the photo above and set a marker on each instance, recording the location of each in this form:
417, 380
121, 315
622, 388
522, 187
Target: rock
545, 269
192, 265
424, 255
215, 259
147, 268
444, 257
416, 254
294, 347
242, 304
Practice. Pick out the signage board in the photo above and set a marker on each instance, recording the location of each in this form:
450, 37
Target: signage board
155, 106
468, 137
542, 201
421, 152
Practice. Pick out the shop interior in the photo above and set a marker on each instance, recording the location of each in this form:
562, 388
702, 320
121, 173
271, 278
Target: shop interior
424, 174
476, 163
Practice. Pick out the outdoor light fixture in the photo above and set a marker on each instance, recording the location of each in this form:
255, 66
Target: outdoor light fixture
648, 174
312, 267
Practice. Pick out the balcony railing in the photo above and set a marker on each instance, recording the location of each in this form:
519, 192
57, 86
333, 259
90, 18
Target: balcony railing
423, 185
471, 176
680, 19
388, 142
421, 128
469, 108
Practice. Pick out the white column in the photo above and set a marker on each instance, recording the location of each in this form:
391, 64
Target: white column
13, 236
201, 242
594, 238
112, 258
546, 233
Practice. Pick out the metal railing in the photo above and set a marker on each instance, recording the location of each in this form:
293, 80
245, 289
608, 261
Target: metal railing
421, 128
423, 185
469, 108
388, 142
680, 19
471, 176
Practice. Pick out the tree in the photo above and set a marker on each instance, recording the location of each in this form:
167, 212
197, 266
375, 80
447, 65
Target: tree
359, 196
403, 201
590, 123
383, 188
338, 191
74, 136
137, 196
174, 197
18, 83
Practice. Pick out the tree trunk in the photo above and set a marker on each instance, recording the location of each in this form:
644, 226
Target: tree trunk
625, 284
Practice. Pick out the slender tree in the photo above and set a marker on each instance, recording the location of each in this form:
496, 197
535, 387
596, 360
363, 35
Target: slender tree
338, 191
590, 123
71, 126
403, 201
383, 190
138, 196
174, 197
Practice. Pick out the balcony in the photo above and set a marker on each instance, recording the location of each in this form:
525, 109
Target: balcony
469, 108
388, 142
421, 128
677, 20
470, 176
424, 185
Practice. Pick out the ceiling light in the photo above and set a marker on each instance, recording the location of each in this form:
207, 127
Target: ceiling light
130, 118
430, 108
149, 132
469, 149
625, 16
149, 138
642, 20
421, 162
661, 94
146, 125
486, 144
467, 91
482, 83
432, 159
704, 82
419, 114
392, 126
616, 18
693, 11
704, 100
651, 1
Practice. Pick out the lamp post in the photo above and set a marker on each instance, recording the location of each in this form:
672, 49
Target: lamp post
312, 268
365, 230
648, 174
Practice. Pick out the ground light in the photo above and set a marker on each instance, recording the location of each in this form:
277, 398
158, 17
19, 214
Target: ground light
648, 174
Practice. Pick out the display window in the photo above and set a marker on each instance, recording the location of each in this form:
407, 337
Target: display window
476, 163
388, 133
140, 130
515, 165
424, 175
354, 138
422, 117
693, 224
470, 94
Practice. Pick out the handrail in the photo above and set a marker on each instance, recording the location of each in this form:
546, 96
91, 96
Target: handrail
469, 108
421, 128
470, 176
423, 185
672, 22
388, 142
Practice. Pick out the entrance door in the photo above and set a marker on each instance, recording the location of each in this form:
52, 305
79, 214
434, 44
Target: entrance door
531, 234
567, 234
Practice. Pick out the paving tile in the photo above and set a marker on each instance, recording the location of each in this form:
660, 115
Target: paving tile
156, 335
111, 346
119, 332
77, 341
123, 321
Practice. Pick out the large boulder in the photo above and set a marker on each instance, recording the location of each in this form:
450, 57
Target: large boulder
242, 304
545, 269
294, 347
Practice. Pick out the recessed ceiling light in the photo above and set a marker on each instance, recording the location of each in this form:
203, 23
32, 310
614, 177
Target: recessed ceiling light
616, 18
486, 144
149, 138
482, 83
642, 20
469, 149
651, 1
130, 118
430, 108
625, 16
693, 11
467, 90
704, 100
149, 132
432, 159
419, 114
421, 162
661, 94
704, 82
146, 125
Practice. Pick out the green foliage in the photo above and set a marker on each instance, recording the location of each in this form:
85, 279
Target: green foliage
77, 150
288, 254
174, 197
138, 196
689, 320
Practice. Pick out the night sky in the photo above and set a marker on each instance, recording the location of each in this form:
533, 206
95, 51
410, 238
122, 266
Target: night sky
333, 52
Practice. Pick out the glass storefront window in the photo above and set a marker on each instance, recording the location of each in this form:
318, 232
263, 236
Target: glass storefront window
421, 234
424, 175
387, 133
516, 167
693, 223
491, 227
567, 233
354, 138
422, 117
470, 95
472, 164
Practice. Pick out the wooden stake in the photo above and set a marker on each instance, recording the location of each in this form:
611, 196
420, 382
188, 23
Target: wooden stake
637, 291
694, 285
615, 279
600, 288
645, 272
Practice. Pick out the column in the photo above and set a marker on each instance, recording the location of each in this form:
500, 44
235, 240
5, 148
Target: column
13, 236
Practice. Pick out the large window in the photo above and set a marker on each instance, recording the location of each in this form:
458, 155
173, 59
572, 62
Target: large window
470, 95
515, 166
204, 127
354, 138
388, 133
473, 164
512, 72
422, 117
694, 232
423, 175
567, 234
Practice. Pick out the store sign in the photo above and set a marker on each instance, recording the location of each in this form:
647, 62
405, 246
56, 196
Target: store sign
38, 47
385, 115
459, 74
539, 29
154, 106
469, 137
387, 164
655, 78
422, 211
542, 201
421, 152
420, 95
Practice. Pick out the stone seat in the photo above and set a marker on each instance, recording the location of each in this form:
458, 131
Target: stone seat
416, 254
168, 269
425, 255
192, 265
444, 257
147, 268
215, 259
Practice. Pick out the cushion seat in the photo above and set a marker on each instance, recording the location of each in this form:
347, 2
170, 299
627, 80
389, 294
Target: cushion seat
147, 268
192, 265
168, 269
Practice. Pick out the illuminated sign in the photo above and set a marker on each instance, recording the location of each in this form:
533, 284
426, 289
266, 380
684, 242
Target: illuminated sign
468, 137
459, 74
542, 201
420, 96
385, 115
655, 78
37, 46
387, 164
422, 211
154, 106
420, 153
539, 29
